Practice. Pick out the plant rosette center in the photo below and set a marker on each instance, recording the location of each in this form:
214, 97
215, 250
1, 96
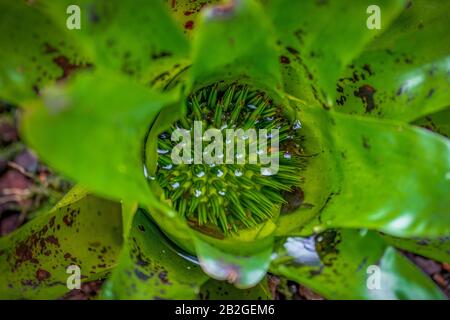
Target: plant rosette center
228, 164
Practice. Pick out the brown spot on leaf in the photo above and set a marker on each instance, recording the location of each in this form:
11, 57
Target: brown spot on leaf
141, 275
48, 49
68, 220
284, 60
162, 54
368, 69
42, 274
163, 277
294, 200
189, 25
366, 93
366, 144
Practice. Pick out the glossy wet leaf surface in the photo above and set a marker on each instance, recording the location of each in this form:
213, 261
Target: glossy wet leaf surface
226, 32
98, 143
438, 122
149, 269
322, 37
33, 57
403, 74
348, 258
81, 230
369, 158
435, 248
130, 38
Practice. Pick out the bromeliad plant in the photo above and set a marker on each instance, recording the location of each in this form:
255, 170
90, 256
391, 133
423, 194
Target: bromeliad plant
357, 177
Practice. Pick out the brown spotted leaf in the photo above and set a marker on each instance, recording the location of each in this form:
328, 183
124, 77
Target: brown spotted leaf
82, 230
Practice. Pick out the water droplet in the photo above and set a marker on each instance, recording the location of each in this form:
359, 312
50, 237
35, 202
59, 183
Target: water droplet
287, 155
219, 173
176, 185
167, 167
297, 125
303, 250
269, 118
251, 106
237, 173
222, 192
200, 174
239, 156
197, 193
145, 172
164, 135
266, 172
162, 151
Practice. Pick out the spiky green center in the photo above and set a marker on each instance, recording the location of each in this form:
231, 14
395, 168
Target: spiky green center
230, 197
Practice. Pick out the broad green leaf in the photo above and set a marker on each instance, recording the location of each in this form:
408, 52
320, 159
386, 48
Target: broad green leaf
235, 41
319, 38
403, 74
438, 122
35, 51
93, 130
436, 249
149, 269
409, 281
128, 211
349, 261
220, 290
387, 176
137, 38
81, 230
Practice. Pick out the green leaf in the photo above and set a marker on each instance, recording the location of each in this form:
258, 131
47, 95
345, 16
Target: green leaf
412, 284
319, 38
220, 290
81, 230
438, 122
35, 51
93, 130
403, 74
387, 176
436, 249
348, 262
149, 269
128, 211
235, 40
135, 38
